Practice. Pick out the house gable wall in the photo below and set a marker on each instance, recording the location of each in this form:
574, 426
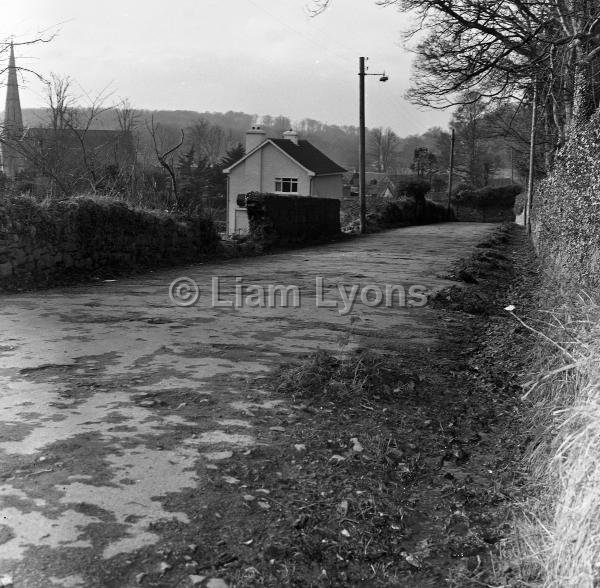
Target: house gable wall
328, 186
278, 165
257, 173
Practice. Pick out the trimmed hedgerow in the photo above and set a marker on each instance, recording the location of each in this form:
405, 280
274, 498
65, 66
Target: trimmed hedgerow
413, 212
277, 220
487, 197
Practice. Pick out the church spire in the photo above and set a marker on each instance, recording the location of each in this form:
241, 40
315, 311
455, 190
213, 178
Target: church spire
13, 119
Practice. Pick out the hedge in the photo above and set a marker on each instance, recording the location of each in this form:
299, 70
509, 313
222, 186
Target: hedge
487, 197
286, 220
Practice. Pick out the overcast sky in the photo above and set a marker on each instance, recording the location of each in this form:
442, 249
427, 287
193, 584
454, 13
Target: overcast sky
256, 56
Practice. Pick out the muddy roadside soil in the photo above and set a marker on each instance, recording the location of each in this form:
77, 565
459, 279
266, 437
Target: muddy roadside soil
146, 445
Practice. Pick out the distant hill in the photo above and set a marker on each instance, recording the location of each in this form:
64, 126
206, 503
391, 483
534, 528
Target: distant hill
338, 142
239, 121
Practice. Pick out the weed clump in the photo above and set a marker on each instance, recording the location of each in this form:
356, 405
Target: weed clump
325, 377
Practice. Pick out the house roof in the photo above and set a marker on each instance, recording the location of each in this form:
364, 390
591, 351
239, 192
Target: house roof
383, 186
304, 153
308, 156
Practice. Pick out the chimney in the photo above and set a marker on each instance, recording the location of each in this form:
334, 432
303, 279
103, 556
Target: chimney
292, 136
254, 137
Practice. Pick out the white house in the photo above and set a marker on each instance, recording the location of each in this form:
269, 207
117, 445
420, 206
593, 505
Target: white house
287, 166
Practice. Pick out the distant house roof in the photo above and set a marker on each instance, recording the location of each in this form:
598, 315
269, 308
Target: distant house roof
304, 153
373, 181
384, 186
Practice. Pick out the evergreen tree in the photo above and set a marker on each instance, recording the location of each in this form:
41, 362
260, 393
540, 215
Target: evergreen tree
233, 154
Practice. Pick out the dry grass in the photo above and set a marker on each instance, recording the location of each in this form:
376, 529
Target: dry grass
560, 535
364, 375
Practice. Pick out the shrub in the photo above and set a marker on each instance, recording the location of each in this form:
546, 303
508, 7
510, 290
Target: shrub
439, 183
488, 197
416, 189
411, 212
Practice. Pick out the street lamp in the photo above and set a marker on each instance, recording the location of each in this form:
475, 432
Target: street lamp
362, 188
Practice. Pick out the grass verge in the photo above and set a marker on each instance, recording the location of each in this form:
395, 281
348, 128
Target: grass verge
559, 538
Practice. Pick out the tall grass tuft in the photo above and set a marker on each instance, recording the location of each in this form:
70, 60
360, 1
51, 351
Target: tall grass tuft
561, 533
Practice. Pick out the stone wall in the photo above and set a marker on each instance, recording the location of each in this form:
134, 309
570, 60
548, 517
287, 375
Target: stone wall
41, 244
287, 220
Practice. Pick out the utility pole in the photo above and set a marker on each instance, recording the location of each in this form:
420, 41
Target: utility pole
362, 184
527, 216
362, 189
512, 165
451, 174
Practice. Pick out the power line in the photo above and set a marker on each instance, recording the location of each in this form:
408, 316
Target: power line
312, 40
342, 57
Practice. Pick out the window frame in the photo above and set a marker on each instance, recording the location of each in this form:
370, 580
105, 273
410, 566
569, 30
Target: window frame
281, 182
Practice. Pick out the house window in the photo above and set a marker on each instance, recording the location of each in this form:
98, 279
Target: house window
286, 185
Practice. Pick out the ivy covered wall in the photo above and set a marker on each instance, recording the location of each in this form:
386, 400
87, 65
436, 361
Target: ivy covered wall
46, 243
565, 217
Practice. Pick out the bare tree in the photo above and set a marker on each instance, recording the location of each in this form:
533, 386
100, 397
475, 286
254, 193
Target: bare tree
281, 124
214, 143
500, 50
209, 141
61, 102
384, 145
165, 156
128, 117
5, 46
79, 126
64, 151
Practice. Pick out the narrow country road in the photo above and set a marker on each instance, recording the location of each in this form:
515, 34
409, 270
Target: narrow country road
114, 400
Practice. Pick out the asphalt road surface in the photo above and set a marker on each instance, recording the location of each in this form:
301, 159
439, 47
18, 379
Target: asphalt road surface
116, 396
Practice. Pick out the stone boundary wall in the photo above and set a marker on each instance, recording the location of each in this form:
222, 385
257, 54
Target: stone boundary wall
565, 218
44, 244
292, 220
